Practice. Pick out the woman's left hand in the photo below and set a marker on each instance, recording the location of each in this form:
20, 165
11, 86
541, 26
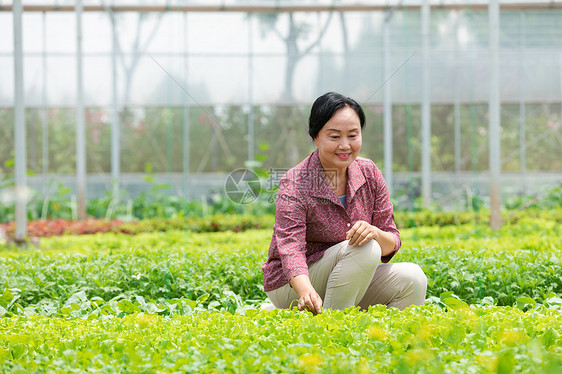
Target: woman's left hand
361, 233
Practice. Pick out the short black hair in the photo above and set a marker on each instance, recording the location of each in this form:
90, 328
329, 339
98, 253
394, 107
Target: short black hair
324, 108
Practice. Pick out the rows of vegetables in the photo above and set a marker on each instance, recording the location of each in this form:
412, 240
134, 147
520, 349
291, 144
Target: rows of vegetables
183, 301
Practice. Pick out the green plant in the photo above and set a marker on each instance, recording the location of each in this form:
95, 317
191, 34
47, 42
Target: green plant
523, 259
181, 301
420, 339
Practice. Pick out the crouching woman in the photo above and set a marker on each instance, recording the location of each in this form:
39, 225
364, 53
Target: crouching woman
334, 224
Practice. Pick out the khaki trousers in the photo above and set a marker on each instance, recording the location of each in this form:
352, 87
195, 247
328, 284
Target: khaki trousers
353, 276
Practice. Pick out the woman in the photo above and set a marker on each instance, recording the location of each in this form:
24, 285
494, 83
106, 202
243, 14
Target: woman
334, 223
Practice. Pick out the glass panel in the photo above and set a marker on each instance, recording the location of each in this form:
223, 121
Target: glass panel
265, 39
7, 32
6, 81
61, 32
97, 81
61, 81
137, 31
33, 81
219, 80
168, 34
96, 34
269, 71
153, 82
32, 31
217, 33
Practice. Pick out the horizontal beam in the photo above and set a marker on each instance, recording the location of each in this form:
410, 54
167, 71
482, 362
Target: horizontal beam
274, 8
477, 102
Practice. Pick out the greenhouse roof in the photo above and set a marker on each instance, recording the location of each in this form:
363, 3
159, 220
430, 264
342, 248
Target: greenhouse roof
267, 5
229, 57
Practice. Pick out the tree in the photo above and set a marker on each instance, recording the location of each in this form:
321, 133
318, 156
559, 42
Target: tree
297, 30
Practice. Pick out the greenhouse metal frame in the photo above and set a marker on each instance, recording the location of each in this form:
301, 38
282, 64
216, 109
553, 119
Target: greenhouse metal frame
387, 9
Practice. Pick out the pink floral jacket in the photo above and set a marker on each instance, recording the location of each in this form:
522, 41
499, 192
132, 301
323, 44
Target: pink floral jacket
310, 218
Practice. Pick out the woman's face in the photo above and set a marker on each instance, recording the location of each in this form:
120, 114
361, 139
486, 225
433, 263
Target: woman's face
339, 141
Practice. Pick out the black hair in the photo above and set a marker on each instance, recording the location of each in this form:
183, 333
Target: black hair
324, 108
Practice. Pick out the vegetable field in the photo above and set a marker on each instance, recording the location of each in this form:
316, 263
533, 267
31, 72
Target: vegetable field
179, 301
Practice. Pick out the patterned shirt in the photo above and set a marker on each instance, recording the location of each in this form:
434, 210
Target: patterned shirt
310, 218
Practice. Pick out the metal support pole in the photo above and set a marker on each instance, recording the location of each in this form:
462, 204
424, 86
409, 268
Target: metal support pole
522, 107
321, 58
475, 193
115, 125
250, 94
45, 110
560, 65
186, 113
19, 128
426, 107
494, 113
457, 110
411, 184
387, 105
80, 122
457, 105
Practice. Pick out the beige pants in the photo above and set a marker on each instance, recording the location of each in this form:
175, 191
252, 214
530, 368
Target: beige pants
353, 276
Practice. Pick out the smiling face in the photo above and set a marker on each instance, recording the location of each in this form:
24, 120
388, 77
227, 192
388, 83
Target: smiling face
339, 140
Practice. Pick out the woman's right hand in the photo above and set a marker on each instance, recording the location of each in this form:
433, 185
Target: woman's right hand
308, 297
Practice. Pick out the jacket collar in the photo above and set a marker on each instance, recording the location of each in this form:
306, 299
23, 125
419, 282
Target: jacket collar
318, 180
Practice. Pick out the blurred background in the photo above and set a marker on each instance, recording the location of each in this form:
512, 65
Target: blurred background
169, 97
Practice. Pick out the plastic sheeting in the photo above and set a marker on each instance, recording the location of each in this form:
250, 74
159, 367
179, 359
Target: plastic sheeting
213, 50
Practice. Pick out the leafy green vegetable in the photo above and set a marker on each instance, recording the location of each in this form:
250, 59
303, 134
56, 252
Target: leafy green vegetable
419, 339
177, 301
520, 260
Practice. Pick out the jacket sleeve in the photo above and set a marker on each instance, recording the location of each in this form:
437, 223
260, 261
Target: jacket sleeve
290, 229
383, 213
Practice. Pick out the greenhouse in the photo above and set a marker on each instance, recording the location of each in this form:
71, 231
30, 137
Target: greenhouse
142, 148
178, 79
